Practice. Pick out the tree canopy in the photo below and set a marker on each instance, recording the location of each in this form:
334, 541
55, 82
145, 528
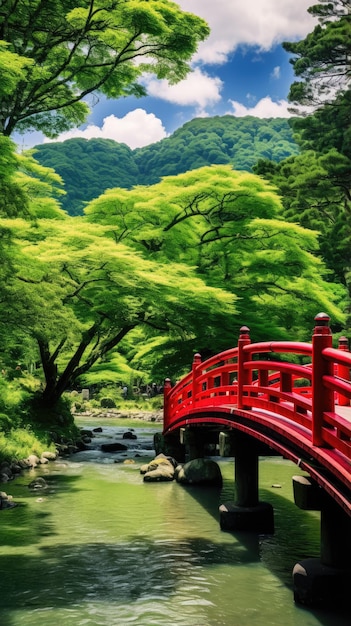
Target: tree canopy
227, 224
85, 291
153, 273
54, 54
321, 61
316, 186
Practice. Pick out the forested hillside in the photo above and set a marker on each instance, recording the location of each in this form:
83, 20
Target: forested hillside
89, 167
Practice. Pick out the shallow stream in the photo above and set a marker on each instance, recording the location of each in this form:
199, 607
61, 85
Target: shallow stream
99, 547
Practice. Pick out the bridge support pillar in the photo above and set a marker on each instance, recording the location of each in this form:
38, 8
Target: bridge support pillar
170, 446
194, 441
225, 441
246, 513
324, 581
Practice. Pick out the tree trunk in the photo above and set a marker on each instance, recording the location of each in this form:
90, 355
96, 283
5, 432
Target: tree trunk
57, 384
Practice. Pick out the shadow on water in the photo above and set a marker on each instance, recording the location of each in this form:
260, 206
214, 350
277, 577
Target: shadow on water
296, 537
24, 526
299, 529
65, 575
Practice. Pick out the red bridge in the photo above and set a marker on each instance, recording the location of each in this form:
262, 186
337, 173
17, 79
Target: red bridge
286, 397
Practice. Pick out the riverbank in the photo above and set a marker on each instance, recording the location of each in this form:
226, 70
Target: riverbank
119, 414
125, 419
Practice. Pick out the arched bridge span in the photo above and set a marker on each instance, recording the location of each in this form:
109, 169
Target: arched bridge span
292, 396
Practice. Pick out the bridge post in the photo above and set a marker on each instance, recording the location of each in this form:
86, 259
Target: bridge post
166, 389
196, 362
322, 398
343, 371
244, 376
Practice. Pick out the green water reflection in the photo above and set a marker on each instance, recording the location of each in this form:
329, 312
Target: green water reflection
101, 547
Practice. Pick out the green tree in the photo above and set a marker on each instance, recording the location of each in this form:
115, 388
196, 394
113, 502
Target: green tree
186, 262
61, 51
229, 225
88, 292
321, 61
35, 187
320, 195
311, 187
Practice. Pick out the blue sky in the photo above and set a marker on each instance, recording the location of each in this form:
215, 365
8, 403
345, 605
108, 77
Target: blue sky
241, 69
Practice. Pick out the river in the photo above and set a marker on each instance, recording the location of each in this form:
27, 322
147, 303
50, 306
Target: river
99, 547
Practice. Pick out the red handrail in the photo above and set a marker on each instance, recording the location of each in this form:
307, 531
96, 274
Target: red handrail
306, 395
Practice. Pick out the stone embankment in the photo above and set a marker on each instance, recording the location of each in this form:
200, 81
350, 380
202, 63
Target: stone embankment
135, 414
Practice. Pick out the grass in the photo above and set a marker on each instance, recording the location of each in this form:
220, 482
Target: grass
19, 443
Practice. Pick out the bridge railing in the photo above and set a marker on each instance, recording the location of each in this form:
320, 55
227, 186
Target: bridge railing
247, 378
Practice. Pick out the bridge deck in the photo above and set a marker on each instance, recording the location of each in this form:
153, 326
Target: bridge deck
344, 411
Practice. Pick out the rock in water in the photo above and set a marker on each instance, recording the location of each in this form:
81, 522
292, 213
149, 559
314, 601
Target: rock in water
200, 472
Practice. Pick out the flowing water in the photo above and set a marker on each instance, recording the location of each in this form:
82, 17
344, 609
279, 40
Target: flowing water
99, 547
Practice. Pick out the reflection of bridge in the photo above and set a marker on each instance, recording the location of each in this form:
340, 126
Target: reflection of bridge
290, 398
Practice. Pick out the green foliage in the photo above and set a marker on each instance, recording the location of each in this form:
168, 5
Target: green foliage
81, 305
329, 127
115, 368
21, 442
11, 397
321, 61
227, 224
5, 423
171, 268
216, 140
59, 52
312, 186
89, 168
13, 200
107, 403
316, 186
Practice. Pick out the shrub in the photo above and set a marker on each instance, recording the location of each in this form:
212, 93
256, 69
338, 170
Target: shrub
5, 423
107, 403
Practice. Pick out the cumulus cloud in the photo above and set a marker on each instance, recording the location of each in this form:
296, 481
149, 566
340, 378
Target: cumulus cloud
198, 90
264, 108
136, 129
261, 23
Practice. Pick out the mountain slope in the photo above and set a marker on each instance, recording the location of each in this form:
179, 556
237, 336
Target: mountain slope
89, 167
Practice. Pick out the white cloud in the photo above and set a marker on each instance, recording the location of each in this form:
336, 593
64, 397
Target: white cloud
276, 73
198, 90
137, 129
261, 23
264, 108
